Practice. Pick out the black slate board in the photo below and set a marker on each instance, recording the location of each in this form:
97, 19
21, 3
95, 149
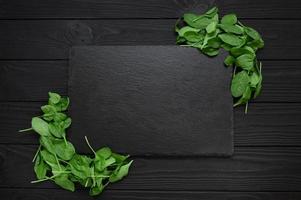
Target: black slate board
150, 100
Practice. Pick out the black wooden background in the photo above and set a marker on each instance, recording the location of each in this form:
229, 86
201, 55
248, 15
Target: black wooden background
35, 37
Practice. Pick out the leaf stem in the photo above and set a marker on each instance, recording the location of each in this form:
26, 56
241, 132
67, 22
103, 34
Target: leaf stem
45, 179
24, 130
246, 107
234, 71
65, 139
87, 141
57, 160
36, 154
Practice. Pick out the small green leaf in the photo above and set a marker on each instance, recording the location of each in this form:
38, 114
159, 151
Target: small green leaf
239, 83
211, 12
59, 117
254, 79
120, 172
258, 88
96, 190
54, 98
242, 50
40, 126
193, 37
210, 51
229, 19
245, 61
232, 28
256, 44
186, 29
64, 150
231, 39
48, 158
245, 97
229, 61
195, 21
211, 27
40, 167
119, 158
67, 123
63, 181
48, 109
63, 104
214, 43
252, 33
47, 143
56, 130
104, 152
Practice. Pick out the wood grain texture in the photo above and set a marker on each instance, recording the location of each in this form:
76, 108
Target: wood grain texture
52, 39
28, 79
282, 82
266, 124
15, 9
59, 194
250, 169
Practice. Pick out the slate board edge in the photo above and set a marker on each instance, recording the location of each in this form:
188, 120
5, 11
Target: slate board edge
220, 155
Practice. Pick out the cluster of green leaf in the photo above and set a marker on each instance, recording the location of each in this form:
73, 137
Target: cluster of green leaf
208, 33
57, 160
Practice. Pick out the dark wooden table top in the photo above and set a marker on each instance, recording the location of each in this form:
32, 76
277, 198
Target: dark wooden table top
35, 38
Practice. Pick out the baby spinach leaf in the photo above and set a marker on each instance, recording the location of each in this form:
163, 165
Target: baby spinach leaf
46, 142
245, 61
211, 12
104, 152
63, 104
63, 181
252, 33
54, 98
210, 51
231, 28
120, 172
195, 21
56, 130
96, 190
186, 29
238, 51
229, 61
48, 109
40, 167
48, 158
254, 79
239, 83
229, 19
193, 37
231, 39
245, 97
40, 126
64, 150
211, 27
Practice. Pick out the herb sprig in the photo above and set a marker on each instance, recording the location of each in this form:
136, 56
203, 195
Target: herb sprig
56, 159
208, 34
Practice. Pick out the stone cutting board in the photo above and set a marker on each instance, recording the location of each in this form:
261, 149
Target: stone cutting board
150, 100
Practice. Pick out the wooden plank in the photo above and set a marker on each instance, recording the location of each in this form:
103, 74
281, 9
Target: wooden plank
266, 124
52, 39
60, 194
250, 169
282, 80
27, 80
14, 9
